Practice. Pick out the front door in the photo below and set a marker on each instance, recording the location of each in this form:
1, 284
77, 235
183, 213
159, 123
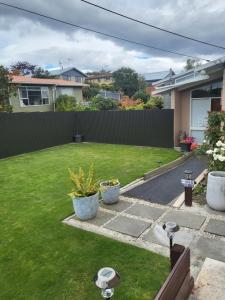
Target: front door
199, 115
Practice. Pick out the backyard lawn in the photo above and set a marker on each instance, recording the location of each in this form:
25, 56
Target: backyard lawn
42, 258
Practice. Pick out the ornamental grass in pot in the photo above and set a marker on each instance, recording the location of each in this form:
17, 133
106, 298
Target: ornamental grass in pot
110, 190
85, 193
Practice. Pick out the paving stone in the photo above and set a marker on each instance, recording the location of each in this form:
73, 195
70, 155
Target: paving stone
145, 211
207, 247
210, 283
119, 206
185, 219
128, 226
158, 235
216, 227
101, 218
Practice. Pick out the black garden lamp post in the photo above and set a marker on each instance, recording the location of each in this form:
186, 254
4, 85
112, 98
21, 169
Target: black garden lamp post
171, 228
188, 184
107, 279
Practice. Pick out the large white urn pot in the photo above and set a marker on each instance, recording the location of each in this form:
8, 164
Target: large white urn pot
215, 194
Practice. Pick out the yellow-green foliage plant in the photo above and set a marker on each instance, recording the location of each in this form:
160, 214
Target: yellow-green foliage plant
84, 186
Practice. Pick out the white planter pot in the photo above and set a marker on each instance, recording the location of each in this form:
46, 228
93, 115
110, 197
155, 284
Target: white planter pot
86, 208
215, 195
110, 194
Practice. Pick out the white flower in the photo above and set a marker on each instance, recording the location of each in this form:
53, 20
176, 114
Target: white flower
221, 158
209, 152
222, 149
219, 144
215, 156
216, 150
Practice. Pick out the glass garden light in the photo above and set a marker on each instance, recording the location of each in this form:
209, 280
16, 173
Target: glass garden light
171, 228
107, 279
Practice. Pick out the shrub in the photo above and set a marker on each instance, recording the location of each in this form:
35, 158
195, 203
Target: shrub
101, 103
129, 104
217, 157
84, 187
154, 102
141, 94
65, 103
216, 127
90, 92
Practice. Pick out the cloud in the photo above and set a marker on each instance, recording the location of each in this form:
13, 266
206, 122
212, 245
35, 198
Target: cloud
41, 41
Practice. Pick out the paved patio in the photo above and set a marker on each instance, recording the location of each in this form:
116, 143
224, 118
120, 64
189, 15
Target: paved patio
140, 223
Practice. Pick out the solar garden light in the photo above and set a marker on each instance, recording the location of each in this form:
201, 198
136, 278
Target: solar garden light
107, 279
171, 228
188, 184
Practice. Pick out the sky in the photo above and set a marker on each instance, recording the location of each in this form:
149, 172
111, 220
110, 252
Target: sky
46, 43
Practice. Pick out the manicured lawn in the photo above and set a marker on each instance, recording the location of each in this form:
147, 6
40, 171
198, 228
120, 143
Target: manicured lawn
42, 258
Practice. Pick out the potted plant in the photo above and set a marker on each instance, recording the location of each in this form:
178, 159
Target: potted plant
110, 190
85, 194
186, 144
215, 194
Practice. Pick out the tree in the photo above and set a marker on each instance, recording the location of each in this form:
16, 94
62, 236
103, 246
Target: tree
65, 103
154, 102
191, 64
41, 73
7, 88
126, 80
101, 103
141, 83
22, 68
90, 92
141, 94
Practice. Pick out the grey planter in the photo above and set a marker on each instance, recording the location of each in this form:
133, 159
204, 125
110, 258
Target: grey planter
86, 207
110, 194
215, 194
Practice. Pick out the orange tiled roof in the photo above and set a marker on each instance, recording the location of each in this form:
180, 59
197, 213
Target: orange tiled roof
45, 81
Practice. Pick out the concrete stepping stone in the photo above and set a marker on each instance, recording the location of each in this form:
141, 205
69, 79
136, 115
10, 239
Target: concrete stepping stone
145, 211
158, 235
101, 218
128, 226
207, 247
210, 283
216, 227
185, 219
118, 207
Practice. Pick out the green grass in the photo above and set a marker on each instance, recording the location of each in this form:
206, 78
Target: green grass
42, 258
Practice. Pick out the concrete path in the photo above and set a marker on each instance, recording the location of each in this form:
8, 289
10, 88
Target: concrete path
210, 283
166, 187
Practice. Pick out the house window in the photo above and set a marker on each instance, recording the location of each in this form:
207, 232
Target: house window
34, 95
209, 90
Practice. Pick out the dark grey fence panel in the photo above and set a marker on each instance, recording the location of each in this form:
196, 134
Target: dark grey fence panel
25, 132
146, 127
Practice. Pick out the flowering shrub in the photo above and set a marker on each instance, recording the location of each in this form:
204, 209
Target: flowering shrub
217, 157
127, 103
194, 146
216, 127
187, 140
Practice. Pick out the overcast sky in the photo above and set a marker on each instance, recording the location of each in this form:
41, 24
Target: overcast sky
45, 42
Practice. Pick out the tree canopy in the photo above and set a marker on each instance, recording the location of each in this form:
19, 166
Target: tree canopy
7, 88
126, 80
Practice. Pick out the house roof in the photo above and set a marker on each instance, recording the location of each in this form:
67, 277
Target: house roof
154, 76
45, 81
62, 71
204, 72
98, 76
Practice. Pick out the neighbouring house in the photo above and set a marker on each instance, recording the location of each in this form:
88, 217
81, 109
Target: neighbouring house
72, 74
100, 78
193, 94
39, 94
152, 77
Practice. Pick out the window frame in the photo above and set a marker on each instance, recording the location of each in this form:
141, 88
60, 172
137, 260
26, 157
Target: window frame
42, 89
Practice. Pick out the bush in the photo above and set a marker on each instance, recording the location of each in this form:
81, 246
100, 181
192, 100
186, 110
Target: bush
130, 104
216, 127
154, 102
90, 92
65, 103
101, 103
141, 94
